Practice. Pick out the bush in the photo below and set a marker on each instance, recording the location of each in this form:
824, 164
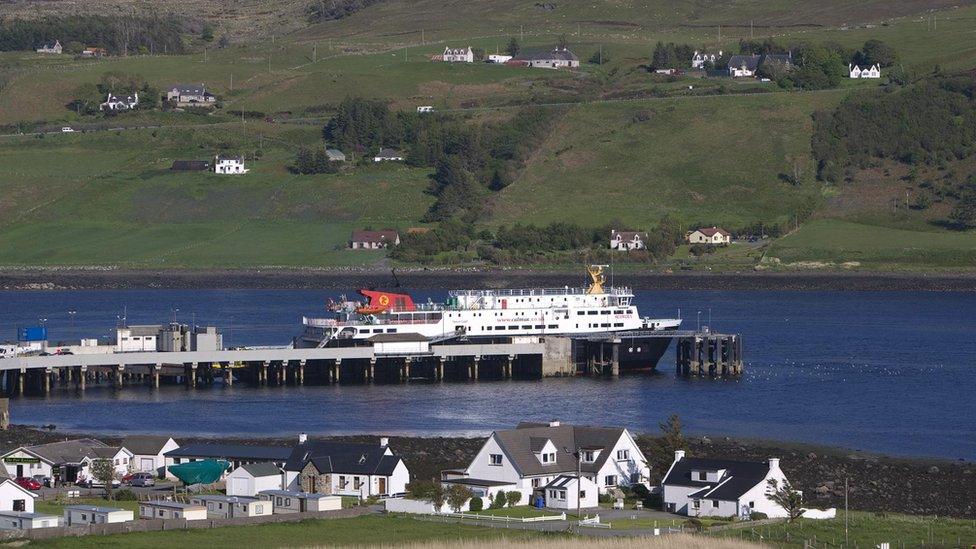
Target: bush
756, 515
605, 498
694, 524
514, 498
499, 501
476, 504
125, 495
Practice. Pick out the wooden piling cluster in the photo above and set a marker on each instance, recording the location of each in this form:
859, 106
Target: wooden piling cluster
709, 355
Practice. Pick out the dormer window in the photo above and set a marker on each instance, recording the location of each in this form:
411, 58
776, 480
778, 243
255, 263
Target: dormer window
589, 456
548, 458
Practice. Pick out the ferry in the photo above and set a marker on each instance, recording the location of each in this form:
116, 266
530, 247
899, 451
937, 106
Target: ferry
485, 315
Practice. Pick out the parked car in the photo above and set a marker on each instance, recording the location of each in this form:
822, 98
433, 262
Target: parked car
142, 480
28, 483
43, 479
95, 483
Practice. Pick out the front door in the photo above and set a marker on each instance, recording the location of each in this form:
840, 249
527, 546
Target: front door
20, 471
382, 485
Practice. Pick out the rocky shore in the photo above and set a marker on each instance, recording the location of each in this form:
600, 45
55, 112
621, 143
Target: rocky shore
876, 483
419, 278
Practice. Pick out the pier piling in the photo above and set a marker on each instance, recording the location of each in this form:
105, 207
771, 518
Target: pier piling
706, 354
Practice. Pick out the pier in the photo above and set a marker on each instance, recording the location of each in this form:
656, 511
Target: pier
709, 355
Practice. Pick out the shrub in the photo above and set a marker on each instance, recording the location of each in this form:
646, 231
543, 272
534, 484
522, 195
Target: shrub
125, 495
514, 498
605, 498
476, 504
498, 501
756, 515
693, 524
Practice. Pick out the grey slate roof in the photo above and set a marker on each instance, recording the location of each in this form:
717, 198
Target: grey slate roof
546, 55
750, 62
518, 444
69, 451
107, 452
389, 153
262, 469
232, 451
740, 477
147, 445
342, 457
92, 508
562, 481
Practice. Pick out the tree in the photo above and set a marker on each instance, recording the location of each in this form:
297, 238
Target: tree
877, 52
786, 497
208, 33
671, 440
599, 57
563, 42
513, 48
963, 214
513, 498
457, 496
103, 471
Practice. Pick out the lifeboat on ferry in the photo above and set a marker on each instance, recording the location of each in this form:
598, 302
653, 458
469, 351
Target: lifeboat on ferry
380, 302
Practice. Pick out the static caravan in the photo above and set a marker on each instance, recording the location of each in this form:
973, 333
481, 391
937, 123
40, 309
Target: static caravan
20, 520
90, 514
171, 510
234, 506
287, 501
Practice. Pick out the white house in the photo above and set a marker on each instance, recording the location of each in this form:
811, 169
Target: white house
567, 490
18, 520
531, 456
118, 103
229, 165
388, 155
700, 60
134, 339
14, 497
293, 501
190, 95
233, 506
499, 59
249, 479
50, 47
709, 235
627, 240
90, 514
743, 65
149, 452
68, 461
373, 240
344, 468
161, 509
874, 71
700, 487
559, 58
458, 55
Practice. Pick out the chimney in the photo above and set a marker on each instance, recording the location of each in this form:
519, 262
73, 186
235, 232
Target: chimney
384, 442
302, 438
679, 455
554, 423
773, 464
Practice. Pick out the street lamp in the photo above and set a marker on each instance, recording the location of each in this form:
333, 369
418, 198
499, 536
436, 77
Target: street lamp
578, 454
699, 322
71, 315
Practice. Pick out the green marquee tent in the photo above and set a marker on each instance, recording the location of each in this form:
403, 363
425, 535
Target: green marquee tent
206, 471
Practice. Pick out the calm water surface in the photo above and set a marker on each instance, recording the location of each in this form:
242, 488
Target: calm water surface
893, 372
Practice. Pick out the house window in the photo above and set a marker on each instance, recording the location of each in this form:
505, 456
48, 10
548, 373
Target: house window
588, 456
701, 475
495, 459
562, 494
714, 504
356, 483
19, 505
752, 504
535, 483
610, 480
342, 482
582, 494
623, 454
696, 504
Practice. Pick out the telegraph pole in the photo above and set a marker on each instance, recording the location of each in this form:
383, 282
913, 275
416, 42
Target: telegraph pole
846, 523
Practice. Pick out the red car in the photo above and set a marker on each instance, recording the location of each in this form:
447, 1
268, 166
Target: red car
28, 483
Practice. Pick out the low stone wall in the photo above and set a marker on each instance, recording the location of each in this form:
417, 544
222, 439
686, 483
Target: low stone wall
158, 525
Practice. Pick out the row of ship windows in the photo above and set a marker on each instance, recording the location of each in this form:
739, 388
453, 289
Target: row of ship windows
550, 326
580, 313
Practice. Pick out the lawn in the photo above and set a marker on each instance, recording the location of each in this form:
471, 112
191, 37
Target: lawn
52, 508
865, 530
367, 530
835, 241
523, 511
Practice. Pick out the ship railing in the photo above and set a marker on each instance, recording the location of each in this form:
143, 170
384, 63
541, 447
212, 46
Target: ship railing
532, 292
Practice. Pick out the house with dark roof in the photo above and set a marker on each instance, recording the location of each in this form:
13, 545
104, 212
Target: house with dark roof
190, 95
373, 240
235, 454
533, 455
701, 487
69, 460
748, 65
557, 58
252, 478
149, 452
345, 468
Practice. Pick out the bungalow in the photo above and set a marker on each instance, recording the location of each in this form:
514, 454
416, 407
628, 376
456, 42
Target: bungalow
14, 497
68, 461
91, 514
149, 452
335, 155
701, 487
344, 468
874, 71
229, 165
388, 155
458, 55
117, 103
499, 59
235, 454
293, 501
558, 58
190, 95
701, 60
533, 455
251, 478
709, 235
19, 520
233, 506
627, 240
568, 492
50, 47
161, 509
94, 52
373, 240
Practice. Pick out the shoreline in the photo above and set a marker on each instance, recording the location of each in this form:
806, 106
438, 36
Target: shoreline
59, 279
880, 483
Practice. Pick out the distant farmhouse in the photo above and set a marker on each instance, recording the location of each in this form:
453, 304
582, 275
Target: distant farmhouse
874, 71
709, 235
373, 240
335, 155
701, 59
559, 58
746, 65
50, 47
388, 155
190, 95
458, 55
499, 58
116, 103
627, 240
94, 52
229, 165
